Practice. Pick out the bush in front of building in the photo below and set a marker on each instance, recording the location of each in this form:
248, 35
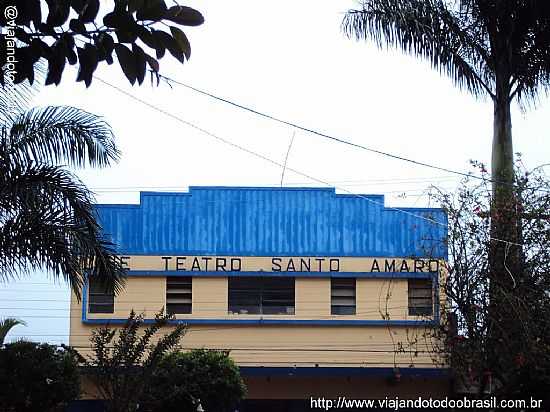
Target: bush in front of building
124, 359
37, 377
185, 379
517, 365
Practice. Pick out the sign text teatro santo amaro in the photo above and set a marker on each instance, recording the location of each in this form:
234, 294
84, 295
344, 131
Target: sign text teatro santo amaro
306, 265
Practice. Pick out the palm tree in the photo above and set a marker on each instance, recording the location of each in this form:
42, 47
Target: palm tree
6, 325
494, 48
491, 48
47, 218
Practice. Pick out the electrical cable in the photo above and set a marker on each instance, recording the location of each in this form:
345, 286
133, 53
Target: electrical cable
329, 137
267, 159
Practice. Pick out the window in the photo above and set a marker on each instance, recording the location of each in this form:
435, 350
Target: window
420, 297
342, 296
178, 294
265, 295
100, 300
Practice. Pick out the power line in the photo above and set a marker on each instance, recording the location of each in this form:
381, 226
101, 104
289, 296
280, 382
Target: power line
225, 313
256, 154
310, 345
292, 350
355, 182
216, 309
267, 159
411, 192
332, 138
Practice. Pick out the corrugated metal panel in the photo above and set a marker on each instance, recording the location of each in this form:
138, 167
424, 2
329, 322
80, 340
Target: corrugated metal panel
270, 222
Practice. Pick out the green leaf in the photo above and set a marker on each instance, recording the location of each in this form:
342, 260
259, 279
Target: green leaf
67, 41
124, 36
105, 45
106, 42
135, 5
171, 44
152, 10
77, 5
56, 64
158, 39
153, 63
147, 37
185, 16
88, 58
58, 12
29, 11
120, 20
141, 68
22, 35
25, 68
77, 26
182, 41
89, 12
127, 62
71, 57
109, 19
39, 48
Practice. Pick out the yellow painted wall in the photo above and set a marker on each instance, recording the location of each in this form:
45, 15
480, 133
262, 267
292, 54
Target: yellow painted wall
376, 299
209, 298
294, 345
284, 345
312, 298
382, 299
265, 263
288, 345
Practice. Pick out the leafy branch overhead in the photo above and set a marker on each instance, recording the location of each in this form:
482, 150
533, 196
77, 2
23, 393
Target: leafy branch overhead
138, 32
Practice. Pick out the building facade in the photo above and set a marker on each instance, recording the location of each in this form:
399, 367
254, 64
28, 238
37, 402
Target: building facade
315, 294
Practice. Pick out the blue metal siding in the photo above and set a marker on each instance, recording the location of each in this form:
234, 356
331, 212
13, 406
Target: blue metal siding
270, 222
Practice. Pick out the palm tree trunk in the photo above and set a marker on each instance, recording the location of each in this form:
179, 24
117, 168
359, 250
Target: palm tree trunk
502, 162
504, 254
504, 209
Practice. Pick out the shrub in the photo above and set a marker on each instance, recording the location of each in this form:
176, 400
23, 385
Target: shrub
37, 377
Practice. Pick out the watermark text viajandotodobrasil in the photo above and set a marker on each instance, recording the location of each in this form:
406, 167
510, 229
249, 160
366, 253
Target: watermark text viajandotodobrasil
10, 13
342, 402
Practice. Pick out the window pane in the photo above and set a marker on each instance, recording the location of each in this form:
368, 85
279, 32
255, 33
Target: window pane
261, 295
174, 308
179, 294
97, 286
99, 299
420, 297
101, 308
342, 296
343, 310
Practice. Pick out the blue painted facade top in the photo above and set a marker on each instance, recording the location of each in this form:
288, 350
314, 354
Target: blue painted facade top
258, 221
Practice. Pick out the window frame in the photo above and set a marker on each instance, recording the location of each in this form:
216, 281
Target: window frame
262, 293
182, 291
94, 293
413, 294
340, 284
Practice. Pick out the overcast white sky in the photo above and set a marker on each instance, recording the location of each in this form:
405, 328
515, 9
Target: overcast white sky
289, 59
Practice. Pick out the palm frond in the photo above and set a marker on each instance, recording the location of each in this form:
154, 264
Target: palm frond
16, 98
6, 325
61, 134
530, 50
48, 223
429, 29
